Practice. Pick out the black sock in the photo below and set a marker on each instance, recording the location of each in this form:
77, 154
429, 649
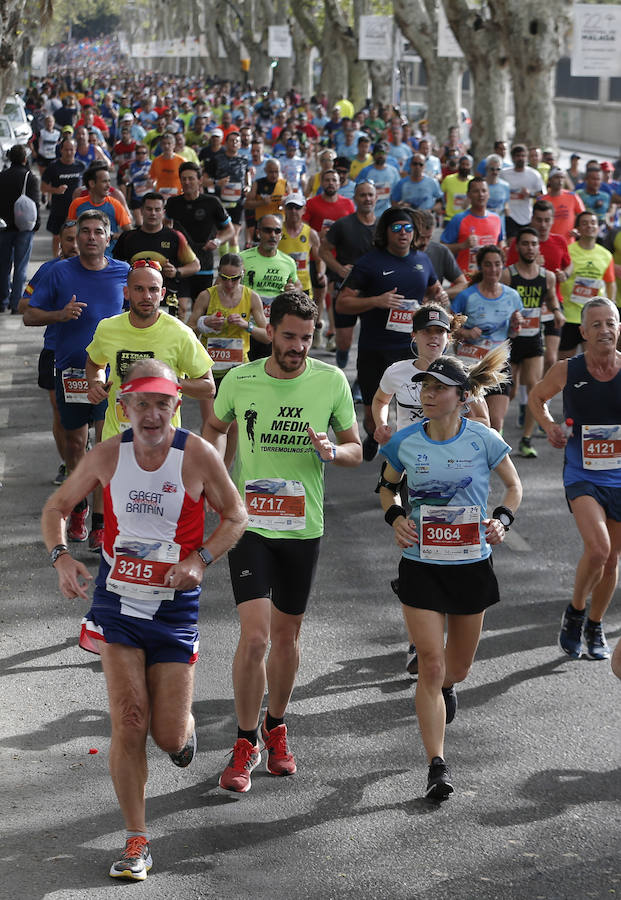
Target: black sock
98, 520
252, 736
575, 612
591, 624
270, 722
81, 506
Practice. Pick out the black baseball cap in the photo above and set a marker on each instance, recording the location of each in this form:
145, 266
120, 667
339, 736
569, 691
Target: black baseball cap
447, 370
427, 316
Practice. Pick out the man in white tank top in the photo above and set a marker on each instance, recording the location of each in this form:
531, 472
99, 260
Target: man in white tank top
157, 481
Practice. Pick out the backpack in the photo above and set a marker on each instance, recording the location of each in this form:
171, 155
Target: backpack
25, 210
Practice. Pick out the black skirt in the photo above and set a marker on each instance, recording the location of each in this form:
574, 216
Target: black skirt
459, 590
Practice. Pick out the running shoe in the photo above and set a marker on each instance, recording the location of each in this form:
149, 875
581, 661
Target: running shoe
60, 475
526, 449
595, 641
356, 393
438, 780
521, 415
570, 638
95, 540
135, 861
450, 701
369, 448
317, 336
411, 660
279, 760
185, 756
244, 758
76, 525
331, 343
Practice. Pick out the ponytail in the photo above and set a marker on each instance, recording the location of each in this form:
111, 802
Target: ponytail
491, 372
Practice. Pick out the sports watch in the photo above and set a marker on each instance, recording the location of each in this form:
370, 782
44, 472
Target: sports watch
57, 551
205, 555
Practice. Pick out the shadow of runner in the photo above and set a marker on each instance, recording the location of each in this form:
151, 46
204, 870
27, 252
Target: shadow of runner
56, 860
553, 791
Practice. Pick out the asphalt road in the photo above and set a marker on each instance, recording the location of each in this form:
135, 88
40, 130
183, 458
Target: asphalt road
534, 748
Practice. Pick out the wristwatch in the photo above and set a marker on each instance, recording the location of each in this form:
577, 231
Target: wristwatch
57, 551
205, 555
504, 516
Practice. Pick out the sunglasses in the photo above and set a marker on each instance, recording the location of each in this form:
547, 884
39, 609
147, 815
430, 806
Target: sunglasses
396, 227
269, 230
229, 277
146, 264
416, 164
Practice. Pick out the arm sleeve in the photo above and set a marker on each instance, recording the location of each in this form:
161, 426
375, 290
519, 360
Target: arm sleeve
343, 412
391, 451
450, 235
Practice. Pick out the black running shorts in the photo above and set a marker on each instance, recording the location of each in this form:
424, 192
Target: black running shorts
282, 569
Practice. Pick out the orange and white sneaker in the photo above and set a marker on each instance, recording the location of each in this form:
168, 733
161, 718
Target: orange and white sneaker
135, 861
279, 760
244, 758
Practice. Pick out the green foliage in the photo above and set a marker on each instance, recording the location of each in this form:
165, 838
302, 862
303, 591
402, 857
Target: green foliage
87, 18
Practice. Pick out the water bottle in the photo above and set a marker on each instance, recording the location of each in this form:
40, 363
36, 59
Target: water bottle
568, 428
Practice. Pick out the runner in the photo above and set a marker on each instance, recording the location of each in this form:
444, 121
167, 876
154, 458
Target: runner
593, 274
446, 574
591, 386
68, 248
76, 295
474, 227
143, 619
385, 287
206, 224
268, 271
287, 403
432, 328
224, 317
536, 287
144, 332
492, 311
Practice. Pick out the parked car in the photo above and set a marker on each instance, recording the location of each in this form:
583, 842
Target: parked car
15, 111
7, 139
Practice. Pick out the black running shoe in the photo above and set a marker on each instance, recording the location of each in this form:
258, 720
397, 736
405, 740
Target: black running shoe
411, 660
369, 448
438, 780
450, 701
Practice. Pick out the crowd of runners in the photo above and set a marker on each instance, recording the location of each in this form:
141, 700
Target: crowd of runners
204, 240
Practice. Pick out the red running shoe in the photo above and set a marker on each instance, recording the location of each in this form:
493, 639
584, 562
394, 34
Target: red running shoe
95, 540
76, 525
279, 760
244, 758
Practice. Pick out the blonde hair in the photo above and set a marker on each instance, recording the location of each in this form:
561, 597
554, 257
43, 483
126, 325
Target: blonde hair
491, 372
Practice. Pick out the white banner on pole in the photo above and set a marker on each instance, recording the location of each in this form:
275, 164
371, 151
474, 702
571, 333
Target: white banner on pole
38, 62
176, 48
279, 44
596, 41
447, 42
375, 38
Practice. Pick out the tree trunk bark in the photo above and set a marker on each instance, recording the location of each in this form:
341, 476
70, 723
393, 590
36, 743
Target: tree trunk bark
357, 69
334, 69
381, 81
418, 21
486, 56
535, 32
11, 39
302, 80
